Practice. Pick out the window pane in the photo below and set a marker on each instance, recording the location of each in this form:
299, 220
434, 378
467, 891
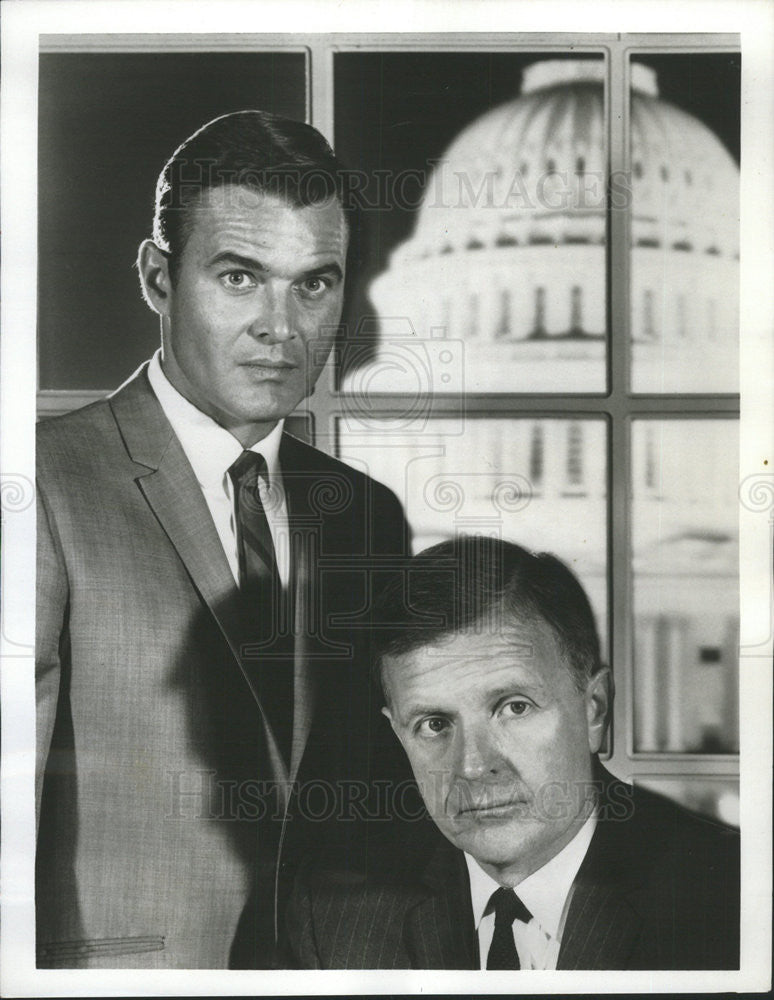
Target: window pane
685, 223
108, 123
484, 194
686, 594
716, 797
538, 482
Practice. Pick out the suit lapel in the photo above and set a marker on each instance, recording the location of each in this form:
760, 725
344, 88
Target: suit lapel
312, 531
172, 492
303, 548
604, 923
169, 486
439, 930
601, 931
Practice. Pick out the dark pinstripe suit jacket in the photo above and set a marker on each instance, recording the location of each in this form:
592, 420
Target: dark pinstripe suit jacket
658, 889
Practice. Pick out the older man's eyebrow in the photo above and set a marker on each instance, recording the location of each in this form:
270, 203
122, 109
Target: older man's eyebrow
514, 689
414, 711
237, 260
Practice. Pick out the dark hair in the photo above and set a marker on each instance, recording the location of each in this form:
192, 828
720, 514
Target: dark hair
254, 149
474, 581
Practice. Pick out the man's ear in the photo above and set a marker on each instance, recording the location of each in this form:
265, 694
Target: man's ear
153, 267
388, 715
600, 691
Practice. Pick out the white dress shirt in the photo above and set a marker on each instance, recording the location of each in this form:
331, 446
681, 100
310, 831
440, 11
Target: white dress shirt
211, 451
546, 893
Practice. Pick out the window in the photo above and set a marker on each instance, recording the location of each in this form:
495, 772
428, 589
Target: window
107, 123
542, 335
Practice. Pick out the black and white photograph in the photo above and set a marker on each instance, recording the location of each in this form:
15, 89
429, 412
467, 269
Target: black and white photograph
388, 514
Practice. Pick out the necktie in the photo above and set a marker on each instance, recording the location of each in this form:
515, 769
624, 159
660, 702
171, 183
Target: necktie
266, 641
507, 907
257, 562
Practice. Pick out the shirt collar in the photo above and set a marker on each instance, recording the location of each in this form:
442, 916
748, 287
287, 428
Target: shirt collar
210, 448
545, 891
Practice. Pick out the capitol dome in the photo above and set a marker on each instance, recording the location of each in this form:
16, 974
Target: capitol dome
507, 259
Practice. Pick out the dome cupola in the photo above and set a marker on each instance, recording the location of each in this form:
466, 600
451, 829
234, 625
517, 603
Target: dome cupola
508, 252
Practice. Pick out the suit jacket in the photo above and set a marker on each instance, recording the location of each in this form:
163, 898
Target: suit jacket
163, 800
658, 889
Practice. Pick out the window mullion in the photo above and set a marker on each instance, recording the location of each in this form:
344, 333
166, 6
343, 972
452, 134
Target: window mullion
619, 351
320, 114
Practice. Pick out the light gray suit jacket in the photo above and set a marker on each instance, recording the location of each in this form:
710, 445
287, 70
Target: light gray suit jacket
151, 740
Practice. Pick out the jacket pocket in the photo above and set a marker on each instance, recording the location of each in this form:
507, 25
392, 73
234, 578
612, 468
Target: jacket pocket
59, 954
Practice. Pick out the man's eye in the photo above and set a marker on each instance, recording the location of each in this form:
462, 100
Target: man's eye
238, 280
516, 707
313, 288
433, 726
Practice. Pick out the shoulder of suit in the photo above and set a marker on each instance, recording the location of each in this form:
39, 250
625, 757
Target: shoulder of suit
61, 438
395, 855
72, 429
620, 801
312, 459
659, 811
645, 835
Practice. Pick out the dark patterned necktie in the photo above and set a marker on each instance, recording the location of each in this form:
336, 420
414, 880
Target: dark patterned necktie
257, 561
266, 641
507, 907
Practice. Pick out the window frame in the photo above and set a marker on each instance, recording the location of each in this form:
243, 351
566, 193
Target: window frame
618, 405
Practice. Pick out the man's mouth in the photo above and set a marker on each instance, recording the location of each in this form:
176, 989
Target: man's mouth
267, 363
494, 809
269, 369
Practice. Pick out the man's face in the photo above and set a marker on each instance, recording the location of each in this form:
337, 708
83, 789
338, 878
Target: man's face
500, 740
251, 316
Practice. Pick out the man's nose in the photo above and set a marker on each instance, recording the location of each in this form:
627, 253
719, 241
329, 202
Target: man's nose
275, 320
479, 754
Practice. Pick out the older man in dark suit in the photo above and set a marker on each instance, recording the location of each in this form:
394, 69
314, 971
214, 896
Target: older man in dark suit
536, 857
203, 580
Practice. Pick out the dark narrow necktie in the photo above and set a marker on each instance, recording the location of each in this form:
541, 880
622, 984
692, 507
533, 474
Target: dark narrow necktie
266, 641
507, 907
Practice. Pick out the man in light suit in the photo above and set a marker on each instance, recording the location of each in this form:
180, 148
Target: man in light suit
535, 857
204, 708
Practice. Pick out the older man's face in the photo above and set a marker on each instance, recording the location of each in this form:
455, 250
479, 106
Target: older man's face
252, 315
500, 740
